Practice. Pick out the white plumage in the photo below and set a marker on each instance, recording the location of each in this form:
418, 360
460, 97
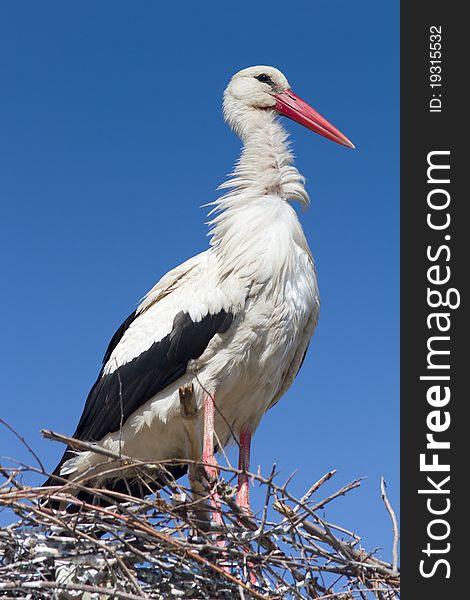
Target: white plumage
258, 270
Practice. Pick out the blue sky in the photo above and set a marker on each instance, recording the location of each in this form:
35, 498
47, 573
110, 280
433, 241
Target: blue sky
111, 140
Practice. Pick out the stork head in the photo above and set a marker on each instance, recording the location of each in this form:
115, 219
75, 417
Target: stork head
267, 89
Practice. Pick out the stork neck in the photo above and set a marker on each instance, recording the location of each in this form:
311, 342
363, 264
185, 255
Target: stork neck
266, 165
262, 184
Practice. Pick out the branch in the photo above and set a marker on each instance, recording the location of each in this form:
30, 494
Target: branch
391, 512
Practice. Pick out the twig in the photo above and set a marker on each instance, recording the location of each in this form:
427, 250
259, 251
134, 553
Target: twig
81, 445
391, 512
306, 497
25, 444
350, 486
56, 585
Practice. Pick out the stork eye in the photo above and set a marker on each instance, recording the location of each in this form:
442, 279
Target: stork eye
263, 78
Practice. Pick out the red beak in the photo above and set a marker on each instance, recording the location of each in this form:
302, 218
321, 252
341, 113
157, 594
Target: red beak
290, 105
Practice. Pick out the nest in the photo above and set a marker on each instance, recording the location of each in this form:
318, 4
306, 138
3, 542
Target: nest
168, 545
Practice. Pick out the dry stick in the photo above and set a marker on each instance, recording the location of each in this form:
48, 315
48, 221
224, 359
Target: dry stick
9, 479
25, 443
308, 493
376, 592
301, 503
350, 486
132, 579
314, 488
55, 585
267, 498
357, 538
326, 536
80, 445
391, 512
192, 427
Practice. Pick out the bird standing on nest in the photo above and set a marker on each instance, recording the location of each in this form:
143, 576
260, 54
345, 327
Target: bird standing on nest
235, 320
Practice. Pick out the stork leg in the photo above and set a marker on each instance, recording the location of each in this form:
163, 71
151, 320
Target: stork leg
208, 457
243, 493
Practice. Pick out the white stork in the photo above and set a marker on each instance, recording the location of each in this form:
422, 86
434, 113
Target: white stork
235, 320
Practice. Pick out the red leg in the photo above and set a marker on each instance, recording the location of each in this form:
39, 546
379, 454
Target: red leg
243, 493
208, 457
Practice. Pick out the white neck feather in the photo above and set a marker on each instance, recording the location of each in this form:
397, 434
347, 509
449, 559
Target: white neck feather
260, 188
265, 166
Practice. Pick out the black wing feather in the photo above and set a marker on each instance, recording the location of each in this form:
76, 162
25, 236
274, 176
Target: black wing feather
117, 337
115, 396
